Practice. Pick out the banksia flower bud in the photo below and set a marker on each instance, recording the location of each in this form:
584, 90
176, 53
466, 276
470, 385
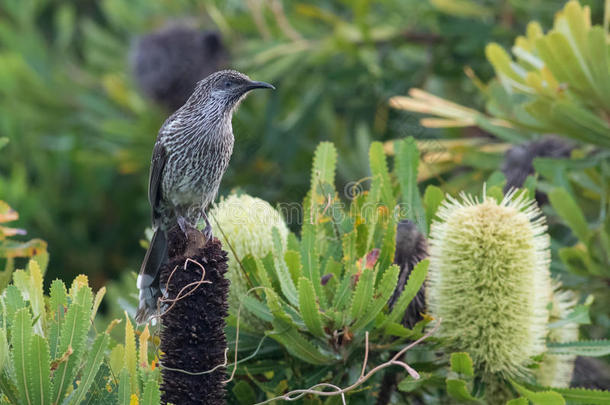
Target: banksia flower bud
556, 370
489, 280
245, 225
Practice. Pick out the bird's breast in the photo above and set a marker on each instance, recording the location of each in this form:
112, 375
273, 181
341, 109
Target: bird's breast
195, 172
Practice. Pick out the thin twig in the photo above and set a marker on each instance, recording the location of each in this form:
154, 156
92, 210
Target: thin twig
296, 394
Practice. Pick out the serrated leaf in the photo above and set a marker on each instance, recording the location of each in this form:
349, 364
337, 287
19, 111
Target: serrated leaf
124, 387
309, 308
381, 174
461, 363
383, 292
37, 297
341, 298
21, 333
297, 345
58, 301
416, 279
116, 359
257, 308
4, 351
151, 395
518, 401
407, 161
457, 390
584, 396
72, 340
362, 294
38, 374
541, 397
433, 198
570, 212
95, 356
131, 359
590, 348
143, 349
323, 167
12, 301
99, 296
293, 261
309, 255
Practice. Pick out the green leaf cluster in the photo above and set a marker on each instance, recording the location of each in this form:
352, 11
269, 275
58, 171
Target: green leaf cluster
50, 354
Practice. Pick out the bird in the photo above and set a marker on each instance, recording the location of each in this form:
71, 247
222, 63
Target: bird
189, 159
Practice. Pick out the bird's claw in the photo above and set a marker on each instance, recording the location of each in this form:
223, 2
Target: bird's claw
207, 232
184, 226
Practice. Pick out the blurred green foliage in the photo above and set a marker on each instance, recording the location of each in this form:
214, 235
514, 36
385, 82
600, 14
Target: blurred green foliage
81, 133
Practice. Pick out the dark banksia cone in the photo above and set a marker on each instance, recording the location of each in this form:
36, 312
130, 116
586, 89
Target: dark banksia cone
192, 334
411, 248
519, 160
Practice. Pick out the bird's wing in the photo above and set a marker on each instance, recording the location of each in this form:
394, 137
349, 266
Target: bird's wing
159, 157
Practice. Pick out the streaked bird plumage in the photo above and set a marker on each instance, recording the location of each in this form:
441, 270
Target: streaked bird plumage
190, 156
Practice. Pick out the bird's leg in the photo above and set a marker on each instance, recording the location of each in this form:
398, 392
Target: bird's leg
183, 225
207, 231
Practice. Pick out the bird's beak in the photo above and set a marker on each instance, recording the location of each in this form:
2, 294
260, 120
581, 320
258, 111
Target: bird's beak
259, 85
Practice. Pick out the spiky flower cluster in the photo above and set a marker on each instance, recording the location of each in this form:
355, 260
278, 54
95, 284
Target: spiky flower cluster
489, 280
245, 225
556, 370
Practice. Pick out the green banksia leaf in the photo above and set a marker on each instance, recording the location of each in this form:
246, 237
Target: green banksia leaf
72, 338
38, 373
57, 303
489, 280
95, 356
124, 387
363, 293
131, 358
381, 175
21, 334
324, 162
381, 297
407, 161
151, 395
309, 307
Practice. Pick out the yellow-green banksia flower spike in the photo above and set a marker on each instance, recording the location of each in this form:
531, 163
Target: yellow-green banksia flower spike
489, 280
247, 224
556, 370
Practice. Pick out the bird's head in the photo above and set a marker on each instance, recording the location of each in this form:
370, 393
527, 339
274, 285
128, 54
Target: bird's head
226, 88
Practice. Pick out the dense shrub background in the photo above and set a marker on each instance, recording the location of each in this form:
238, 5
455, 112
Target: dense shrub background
81, 132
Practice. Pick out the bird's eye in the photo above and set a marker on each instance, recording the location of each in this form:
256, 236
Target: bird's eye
227, 84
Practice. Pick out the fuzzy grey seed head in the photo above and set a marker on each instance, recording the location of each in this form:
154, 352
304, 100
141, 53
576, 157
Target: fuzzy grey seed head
519, 160
167, 64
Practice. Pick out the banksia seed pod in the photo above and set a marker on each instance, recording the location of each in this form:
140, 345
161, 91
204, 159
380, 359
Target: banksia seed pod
556, 371
489, 280
247, 224
168, 63
193, 320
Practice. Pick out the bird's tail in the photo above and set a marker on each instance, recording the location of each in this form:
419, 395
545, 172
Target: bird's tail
148, 279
